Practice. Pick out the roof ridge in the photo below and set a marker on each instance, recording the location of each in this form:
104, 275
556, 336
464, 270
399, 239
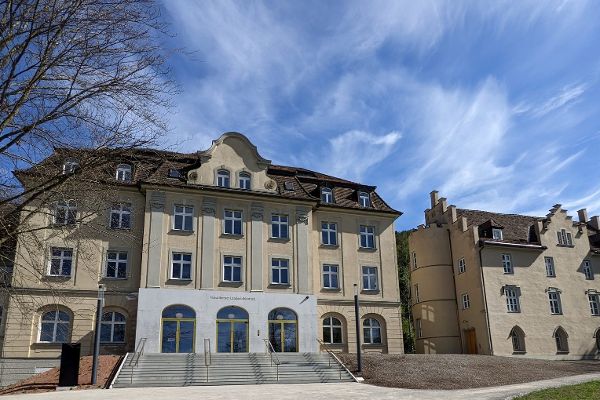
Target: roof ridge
499, 213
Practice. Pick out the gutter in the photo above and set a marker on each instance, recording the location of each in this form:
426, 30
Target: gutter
518, 245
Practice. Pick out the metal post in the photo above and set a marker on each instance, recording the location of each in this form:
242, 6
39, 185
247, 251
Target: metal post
357, 317
101, 290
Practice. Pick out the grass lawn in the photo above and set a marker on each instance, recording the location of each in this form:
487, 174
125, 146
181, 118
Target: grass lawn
583, 391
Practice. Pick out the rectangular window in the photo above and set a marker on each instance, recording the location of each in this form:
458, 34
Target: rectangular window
587, 270
280, 271
507, 264
279, 226
594, 304
61, 261
330, 276
497, 233
183, 218
120, 216
116, 264
329, 233
462, 265
466, 303
512, 300
564, 238
364, 200
416, 293
181, 266
549, 261
232, 222
65, 213
367, 237
369, 278
414, 260
232, 269
419, 328
555, 307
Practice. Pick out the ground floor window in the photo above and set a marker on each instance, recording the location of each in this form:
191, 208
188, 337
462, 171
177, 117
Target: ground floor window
372, 331
561, 339
283, 330
55, 327
112, 328
178, 329
518, 339
232, 330
332, 330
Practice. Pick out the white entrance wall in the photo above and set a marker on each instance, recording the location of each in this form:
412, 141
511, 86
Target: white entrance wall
206, 303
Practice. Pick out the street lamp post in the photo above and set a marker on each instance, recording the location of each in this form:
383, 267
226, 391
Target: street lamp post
357, 318
99, 306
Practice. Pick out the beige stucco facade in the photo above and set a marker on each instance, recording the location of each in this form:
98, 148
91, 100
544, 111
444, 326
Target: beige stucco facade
455, 258
151, 241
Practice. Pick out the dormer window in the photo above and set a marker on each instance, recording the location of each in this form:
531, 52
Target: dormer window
174, 173
326, 195
244, 180
123, 173
70, 166
364, 200
564, 238
497, 233
223, 178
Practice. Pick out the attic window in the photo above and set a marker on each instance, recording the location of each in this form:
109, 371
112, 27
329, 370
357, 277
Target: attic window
174, 173
364, 200
497, 233
326, 195
123, 173
288, 185
70, 166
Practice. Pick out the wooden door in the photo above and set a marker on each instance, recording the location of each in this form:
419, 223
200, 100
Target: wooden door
471, 339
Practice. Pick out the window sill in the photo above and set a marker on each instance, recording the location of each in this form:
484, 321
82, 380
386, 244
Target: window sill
373, 345
514, 312
48, 344
519, 352
550, 276
329, 246
113, 344
508, 273
369, 291
61, 226
331, 290
563, 352
230, 284
177, 281
279, 240
565, 245
367, 249
58, 277
110, 278
231, 236
279, 285
180, 232
118, 228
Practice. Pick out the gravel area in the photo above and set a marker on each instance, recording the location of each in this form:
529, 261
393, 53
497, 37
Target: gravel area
47, 381
457, 371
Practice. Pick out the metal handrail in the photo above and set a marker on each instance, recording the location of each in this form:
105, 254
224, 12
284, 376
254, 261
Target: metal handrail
336, 358
207, 356
139, 350
271, 352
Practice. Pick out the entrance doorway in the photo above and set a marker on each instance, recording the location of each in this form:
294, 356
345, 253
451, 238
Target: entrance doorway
471, 341
178, 329
232, 330
283, 330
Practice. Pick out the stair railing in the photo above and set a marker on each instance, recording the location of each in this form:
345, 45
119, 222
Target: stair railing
332, 356
207, 356
135, 358
273, 356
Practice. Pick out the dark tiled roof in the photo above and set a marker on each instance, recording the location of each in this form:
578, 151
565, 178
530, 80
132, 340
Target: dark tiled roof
516, 228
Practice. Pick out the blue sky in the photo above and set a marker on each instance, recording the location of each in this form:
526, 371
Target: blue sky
494, 104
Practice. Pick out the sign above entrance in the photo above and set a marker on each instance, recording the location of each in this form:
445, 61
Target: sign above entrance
235, 298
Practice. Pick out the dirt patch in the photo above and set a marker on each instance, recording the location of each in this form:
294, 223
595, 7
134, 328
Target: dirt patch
48, 381
457, 371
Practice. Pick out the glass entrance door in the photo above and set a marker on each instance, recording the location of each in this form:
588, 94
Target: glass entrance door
283, 330
232, 330
178, 329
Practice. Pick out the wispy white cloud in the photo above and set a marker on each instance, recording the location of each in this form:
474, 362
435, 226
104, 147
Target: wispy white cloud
567, 95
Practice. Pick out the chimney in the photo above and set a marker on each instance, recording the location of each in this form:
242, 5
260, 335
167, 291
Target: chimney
595, 222
583, 217
434, 198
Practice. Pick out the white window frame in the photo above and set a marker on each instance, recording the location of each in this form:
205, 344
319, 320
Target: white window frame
416, 293
55, 322
327, 195
187, 215
497, 234
119, 210
419, 328
123, 173
330, 326
329, 230
245, 180
235, 263
371, 274
183, 263
61, 259
512, 299
330, 271
594, 301
279, 264
462, 265
223, 178
554, 302
237, 218
507, 266
550, 268
372, 327
119, 263
366, 232
280, 221
587, 270
364, 200
70, 166
565, 238
466, 301
68, 209
112, 323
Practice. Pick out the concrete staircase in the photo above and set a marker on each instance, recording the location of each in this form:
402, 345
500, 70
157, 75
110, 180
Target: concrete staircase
230, 369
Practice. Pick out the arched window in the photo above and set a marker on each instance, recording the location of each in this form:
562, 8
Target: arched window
332, 330
123, 172
364, 200
65, 212
112, 328
597, 336
518, 339
562, 340
232, 312
372, 331
178, 311
223, 178
178, 329
244, 180
232, 330
70, 166
283, 330
55, 327
326, 195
